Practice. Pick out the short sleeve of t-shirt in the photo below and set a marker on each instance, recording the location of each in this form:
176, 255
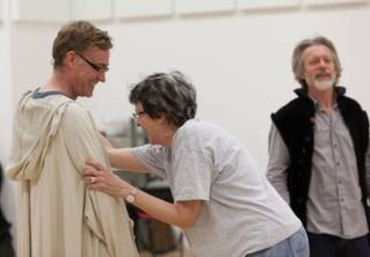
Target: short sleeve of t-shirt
187, 165
153, 157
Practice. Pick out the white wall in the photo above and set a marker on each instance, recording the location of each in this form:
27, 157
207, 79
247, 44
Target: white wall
8, 190
239, 61
240, 64
6, 93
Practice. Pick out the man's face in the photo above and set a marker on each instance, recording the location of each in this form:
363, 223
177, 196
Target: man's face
320, 72
91, 66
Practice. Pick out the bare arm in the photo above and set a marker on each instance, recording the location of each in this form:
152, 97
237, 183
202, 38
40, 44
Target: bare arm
124, 158
182, 214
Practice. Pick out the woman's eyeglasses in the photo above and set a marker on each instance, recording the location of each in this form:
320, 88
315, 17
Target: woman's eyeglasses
137, 115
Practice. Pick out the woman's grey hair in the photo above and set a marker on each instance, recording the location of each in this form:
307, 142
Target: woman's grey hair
297, 57
170, 94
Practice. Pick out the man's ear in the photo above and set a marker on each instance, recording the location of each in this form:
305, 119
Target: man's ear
70, 59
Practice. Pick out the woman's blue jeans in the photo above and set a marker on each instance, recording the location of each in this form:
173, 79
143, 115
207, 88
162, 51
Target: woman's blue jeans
294, 246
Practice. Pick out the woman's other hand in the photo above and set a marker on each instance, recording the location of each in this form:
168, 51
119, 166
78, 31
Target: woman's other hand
98, 177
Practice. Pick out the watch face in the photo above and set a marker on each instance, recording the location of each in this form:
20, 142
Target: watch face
130, 198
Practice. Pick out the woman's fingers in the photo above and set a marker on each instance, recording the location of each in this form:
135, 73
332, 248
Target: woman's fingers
96, 165
92, 171
97, 177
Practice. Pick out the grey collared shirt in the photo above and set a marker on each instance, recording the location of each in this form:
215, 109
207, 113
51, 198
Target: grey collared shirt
334, 200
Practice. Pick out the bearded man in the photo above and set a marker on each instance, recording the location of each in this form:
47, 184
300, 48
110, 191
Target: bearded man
319, 154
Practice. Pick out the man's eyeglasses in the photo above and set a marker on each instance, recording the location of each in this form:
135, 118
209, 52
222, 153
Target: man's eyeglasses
97, 67
137, 115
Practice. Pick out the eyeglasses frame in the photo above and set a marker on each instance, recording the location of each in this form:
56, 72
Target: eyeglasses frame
137, 115
96, 67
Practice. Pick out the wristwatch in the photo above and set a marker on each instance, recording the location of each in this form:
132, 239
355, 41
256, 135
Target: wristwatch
131, 197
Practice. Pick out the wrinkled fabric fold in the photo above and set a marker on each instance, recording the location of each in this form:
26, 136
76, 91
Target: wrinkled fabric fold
57, 215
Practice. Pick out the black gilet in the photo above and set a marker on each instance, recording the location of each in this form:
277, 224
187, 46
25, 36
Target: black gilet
295, 122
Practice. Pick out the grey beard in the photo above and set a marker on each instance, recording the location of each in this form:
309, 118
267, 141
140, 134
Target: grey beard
324, 85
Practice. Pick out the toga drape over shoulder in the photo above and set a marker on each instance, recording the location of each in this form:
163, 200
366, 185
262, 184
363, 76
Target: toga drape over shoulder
57, 215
